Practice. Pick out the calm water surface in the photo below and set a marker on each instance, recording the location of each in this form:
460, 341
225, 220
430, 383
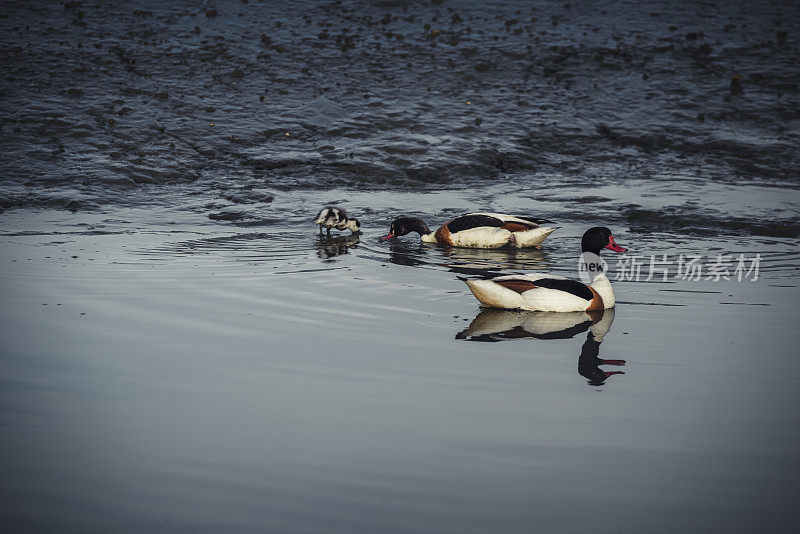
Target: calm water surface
176, 377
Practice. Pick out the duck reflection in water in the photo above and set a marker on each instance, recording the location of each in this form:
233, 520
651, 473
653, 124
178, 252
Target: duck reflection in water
467, 261
493, 324
408, 255
330, 247
474, 260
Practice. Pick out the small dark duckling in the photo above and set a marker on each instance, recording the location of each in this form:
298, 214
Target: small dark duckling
331, 217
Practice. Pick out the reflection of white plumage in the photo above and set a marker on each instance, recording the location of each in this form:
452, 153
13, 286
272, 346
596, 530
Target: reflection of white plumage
494, 324
601, 327
336, 218
460, 259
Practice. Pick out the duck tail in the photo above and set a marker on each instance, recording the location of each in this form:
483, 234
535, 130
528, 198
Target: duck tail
533, 237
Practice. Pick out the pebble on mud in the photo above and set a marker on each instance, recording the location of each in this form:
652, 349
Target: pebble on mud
736, 84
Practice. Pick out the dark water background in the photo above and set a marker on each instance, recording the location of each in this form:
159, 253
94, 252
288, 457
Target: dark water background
181, 353
108, 103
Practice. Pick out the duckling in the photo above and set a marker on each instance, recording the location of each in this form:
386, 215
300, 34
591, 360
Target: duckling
331, 217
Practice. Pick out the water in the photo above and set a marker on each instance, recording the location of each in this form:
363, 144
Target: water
182, 352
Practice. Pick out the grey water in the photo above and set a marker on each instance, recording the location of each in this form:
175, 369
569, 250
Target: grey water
182, 352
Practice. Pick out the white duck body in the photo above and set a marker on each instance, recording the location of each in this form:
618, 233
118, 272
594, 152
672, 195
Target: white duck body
478, 237
494, 294
602, 285
545, 292
481, 237
488, 230
525, 238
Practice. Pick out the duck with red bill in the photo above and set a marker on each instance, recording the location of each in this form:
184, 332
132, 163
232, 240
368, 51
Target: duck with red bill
549, 292
612, 245
477, 230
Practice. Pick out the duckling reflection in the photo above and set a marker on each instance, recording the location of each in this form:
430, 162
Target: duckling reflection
493, 324
329, 247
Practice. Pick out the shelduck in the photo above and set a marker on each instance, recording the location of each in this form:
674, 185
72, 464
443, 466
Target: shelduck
332, 217
477, 230
547, 292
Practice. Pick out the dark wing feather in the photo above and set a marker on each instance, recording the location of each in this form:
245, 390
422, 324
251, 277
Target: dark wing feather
534, 220
570, 286
467, 222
